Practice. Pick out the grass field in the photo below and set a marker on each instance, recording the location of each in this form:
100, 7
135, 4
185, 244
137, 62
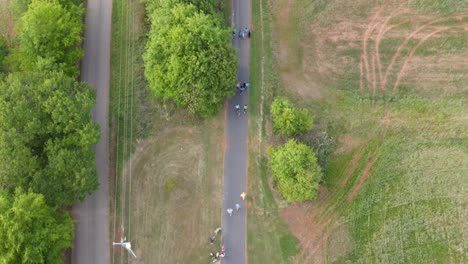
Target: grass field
387, 80
168, 166
268, 237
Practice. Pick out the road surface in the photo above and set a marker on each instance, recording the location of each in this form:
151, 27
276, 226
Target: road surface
235, 159
91, 243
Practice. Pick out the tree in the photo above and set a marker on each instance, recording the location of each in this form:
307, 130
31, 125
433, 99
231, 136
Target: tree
31, 231
205, 6
288, 120
3, 52
47, 136
189, 59
295, 170
50, 30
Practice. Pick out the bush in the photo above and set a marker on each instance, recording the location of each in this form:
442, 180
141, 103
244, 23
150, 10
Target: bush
322, 144
295, 169
288, 120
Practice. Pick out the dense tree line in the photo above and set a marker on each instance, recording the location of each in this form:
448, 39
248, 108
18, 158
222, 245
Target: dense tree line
47, 135
189, 58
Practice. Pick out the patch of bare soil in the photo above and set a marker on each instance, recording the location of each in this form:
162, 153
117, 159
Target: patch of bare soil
313, 225
363, 178
347, 143
7, 25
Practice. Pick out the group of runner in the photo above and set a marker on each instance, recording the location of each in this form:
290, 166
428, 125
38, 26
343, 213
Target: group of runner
218, 255
243, 33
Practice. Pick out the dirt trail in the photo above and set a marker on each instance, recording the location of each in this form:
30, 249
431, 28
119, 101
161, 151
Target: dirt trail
384, 29
364, 56
404, 43
363, 178
410, 57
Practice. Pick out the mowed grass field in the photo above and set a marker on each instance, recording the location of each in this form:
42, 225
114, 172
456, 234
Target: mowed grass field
388, 82
168, 165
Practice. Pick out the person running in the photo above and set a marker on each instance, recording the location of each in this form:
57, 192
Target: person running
247, 85
245, 112
238, 109
229, 211
238, 207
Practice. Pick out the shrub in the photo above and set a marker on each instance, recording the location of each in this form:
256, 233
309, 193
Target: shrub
295, 170
288, 120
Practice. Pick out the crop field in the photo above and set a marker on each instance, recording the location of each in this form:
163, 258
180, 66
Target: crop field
387, 80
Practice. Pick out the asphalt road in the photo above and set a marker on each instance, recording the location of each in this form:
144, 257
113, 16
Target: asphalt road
91, 243
235, 160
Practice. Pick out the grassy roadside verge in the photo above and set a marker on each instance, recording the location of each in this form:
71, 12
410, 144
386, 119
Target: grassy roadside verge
268, 238
166, 166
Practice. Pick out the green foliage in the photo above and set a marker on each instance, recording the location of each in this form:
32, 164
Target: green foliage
322, 144
19, 7
289, 246
31, 231
205, 6
295, 169
3, 52
52, 31
288, 120
47, 136
170, 184
189, 59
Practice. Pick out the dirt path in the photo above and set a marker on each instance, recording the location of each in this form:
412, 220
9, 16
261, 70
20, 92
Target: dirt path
364, 56
363, 178
410, 57
384, 29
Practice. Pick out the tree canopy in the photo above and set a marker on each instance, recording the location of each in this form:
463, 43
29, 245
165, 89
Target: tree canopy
205, 6
295, 169
51, 30
189, 59
288, 120
31, 231
47, 136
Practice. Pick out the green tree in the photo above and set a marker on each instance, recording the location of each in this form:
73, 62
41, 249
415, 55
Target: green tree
52, 31
189, 59
205, 6
3, 52
288, 120
31, 231
295, 170
47, 136
19, 7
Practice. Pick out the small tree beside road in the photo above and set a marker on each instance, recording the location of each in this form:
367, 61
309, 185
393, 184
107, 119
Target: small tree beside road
295, 170
288, 120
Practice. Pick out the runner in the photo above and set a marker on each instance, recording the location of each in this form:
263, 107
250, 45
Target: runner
238, 109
